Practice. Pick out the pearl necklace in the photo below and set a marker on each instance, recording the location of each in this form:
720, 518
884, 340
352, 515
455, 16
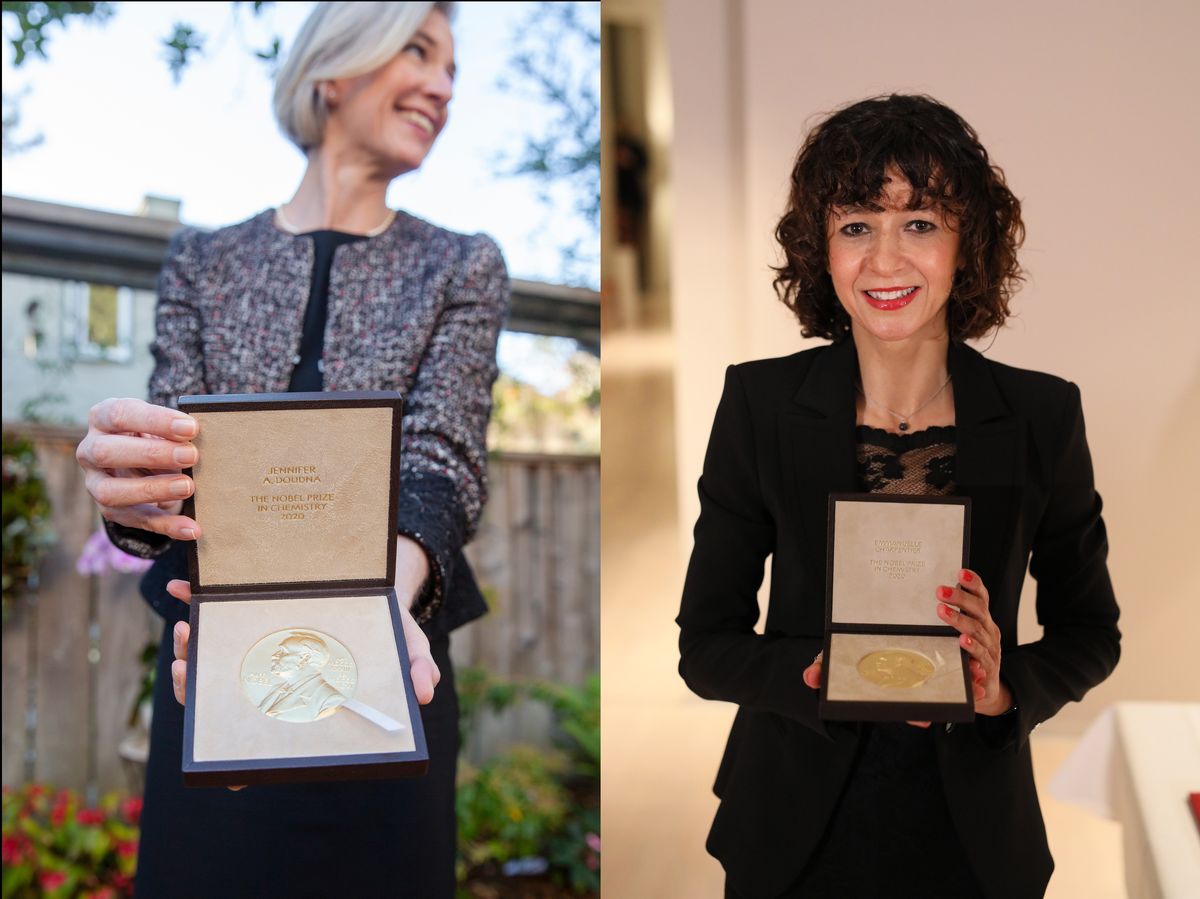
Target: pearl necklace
903, 419
377, 230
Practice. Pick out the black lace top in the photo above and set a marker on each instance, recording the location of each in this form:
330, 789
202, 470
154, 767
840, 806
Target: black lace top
921, 462
895, 776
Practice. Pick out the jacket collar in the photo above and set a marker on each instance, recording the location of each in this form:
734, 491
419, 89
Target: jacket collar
819, 452
829, 387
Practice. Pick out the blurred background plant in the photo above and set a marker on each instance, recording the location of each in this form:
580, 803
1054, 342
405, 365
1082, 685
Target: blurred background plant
529, 819
559, 414
54, 846
28, 531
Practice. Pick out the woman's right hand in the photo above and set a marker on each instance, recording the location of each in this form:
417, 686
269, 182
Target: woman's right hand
134, 454
812, 678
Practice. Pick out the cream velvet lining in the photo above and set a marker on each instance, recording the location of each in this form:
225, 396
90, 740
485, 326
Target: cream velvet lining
846, 684
293, 495
228, 726
889, 559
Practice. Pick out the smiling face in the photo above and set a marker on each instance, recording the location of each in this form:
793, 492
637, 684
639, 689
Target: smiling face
393, 115
893, 269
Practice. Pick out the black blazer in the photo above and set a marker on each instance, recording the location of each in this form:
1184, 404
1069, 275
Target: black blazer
783, 439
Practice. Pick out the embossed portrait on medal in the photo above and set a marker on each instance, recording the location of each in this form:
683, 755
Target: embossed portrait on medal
298, 675
899, 668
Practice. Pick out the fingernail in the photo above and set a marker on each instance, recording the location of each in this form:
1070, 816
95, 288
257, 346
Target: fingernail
944, 592
183, 427
945, 611
188, 534
185, 455
967, 641
181, 487
966, 575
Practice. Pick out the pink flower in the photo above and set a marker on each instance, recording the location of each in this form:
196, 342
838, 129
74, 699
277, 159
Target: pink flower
127, 849
131, 808
99, 555
89, 816
52, 880
593, 841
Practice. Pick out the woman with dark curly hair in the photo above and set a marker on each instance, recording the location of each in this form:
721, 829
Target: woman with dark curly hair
899, 243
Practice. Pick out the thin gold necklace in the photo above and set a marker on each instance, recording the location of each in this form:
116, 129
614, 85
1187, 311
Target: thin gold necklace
903, 419
378, 229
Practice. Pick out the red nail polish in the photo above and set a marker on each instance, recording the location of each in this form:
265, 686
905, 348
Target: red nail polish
967, 576
944, 592
967, 640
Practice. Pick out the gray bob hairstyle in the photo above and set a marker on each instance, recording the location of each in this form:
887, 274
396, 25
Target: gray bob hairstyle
340, 40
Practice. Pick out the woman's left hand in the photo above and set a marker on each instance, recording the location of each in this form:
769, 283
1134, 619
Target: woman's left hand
980, 637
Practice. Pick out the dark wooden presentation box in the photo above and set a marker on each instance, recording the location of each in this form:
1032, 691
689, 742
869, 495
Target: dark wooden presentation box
897, 634
370, 586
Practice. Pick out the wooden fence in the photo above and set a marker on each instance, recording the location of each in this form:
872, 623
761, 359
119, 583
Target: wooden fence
71, 649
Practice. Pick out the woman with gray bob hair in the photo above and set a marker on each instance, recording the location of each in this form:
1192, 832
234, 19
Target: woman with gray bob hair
340, 40
329, 291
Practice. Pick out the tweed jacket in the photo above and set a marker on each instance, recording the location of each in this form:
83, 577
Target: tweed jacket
417, 309
782, 441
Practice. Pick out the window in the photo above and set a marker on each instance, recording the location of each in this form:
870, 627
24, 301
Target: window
98, 322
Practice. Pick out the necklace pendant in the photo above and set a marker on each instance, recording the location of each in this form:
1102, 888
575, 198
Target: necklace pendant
903, 426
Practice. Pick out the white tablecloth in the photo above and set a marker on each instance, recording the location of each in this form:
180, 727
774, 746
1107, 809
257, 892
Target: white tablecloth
1136, 764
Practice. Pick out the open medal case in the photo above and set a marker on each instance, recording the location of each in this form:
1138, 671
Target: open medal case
298, 668
888, 656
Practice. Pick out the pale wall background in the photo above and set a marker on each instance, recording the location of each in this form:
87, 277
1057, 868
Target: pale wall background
1091, 114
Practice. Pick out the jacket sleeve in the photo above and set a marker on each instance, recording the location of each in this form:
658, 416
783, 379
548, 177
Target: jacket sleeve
443, 469
178, 360
1076, 607
721, 656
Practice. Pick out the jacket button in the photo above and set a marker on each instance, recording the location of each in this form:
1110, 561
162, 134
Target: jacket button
296, 359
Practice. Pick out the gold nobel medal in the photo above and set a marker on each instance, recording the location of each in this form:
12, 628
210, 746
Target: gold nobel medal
895, 668
298, 675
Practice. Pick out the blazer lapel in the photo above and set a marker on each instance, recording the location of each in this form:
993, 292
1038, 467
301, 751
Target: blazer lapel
817, 436
817, 443
990, 459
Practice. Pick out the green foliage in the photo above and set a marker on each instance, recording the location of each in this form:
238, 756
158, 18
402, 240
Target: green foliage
577, 710
183, 42
574, 852
33, 19
508, 808
149, 659
556, 61
528, 803
524, 419
28, 532
55, 847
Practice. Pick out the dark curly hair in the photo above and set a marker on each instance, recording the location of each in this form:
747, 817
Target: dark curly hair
843, 162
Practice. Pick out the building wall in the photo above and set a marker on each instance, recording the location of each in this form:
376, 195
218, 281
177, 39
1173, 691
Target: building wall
1090, 114
51, 371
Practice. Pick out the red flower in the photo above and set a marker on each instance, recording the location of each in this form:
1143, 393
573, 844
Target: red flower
14, 850
36, 790
89, 816
58, 814
122, 882
52, 880
131, 808
127, 848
